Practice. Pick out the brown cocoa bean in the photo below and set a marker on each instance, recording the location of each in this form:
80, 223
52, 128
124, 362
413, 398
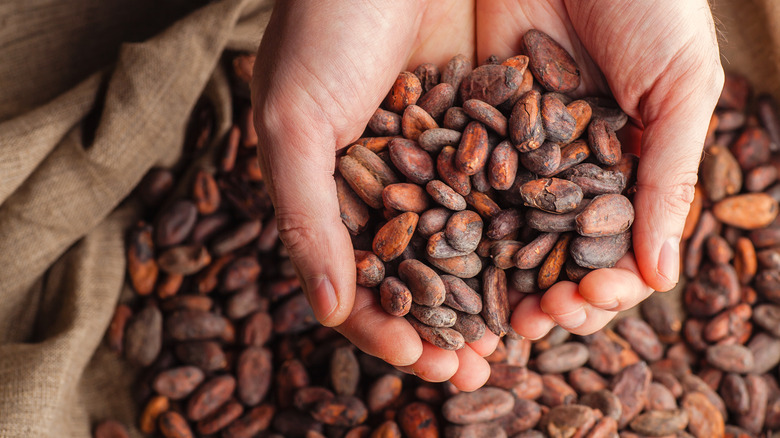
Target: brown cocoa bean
240, 272
460, 266
630, 386
115, 335
173, 425
569, 420
253, 375
141, 265
143, 336
370, 271
442, 337
550, 63
543, 160
445, 195
492, 84
731, 358
252, 423
484, 404
486, 114
595, 181
603, 142
456, 119
411, 161
606, 215
205, 192
449, 174
110, 429
176, 223
641, 337
703, 418
748, 211
556, 392
415, 121
293, 315
395, 297
559, 124
405, 197
721, 175
433, 220
660, 423
391, 240
433, 140
562, 358
460, 296
552, 195
405, 91
553, 264
426, 286
471, 326
525, 122
418, 420
585, 380
600, 252
428, 74
184, 260
210, 397
659, 397
605, 401
438, 100
384, 392
194, 325
495, 302
434, 316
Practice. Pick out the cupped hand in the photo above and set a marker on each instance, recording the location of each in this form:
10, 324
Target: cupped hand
660, 61
322, 69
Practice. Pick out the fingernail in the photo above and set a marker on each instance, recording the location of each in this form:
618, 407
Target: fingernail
572, 320
669, 260
322, 296
607, 306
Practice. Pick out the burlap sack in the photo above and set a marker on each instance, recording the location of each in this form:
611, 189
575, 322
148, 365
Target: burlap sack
81, 120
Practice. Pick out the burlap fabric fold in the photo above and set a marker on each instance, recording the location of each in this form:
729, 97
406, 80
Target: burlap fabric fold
82, 118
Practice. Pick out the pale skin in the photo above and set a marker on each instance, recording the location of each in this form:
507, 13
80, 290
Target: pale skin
324, 67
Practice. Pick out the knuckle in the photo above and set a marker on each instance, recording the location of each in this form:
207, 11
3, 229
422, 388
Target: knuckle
296, 233
675, 197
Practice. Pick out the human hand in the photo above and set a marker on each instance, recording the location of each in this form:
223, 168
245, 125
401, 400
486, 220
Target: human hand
661, 62
318, 98
321, 71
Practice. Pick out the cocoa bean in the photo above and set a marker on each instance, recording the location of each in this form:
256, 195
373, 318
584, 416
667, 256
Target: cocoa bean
550, 63
552, 195
404, 92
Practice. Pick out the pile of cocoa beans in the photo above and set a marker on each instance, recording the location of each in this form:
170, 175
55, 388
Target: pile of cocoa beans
227, 345
519, 177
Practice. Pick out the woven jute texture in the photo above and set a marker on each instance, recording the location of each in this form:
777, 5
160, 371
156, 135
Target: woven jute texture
93, 93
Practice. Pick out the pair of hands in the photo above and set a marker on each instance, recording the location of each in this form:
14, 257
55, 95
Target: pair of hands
324, 67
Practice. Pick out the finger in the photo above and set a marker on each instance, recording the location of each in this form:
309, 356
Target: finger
448, 31
568, 309
671, 83
379, 334
314, 94
473, 370
665, 188
434, 364
486, 345
529, 320
617, 288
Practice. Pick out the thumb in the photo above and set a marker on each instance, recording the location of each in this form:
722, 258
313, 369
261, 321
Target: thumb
676, 113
